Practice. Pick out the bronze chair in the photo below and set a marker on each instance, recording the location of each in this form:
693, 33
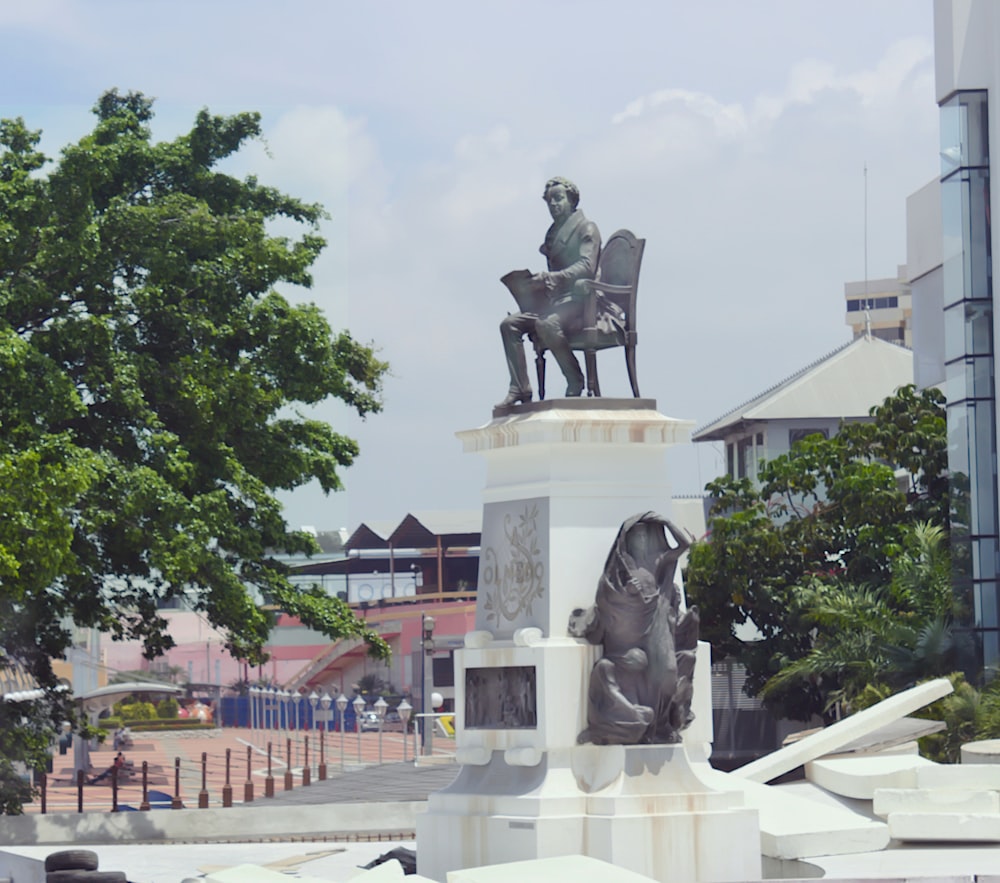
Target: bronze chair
618, 280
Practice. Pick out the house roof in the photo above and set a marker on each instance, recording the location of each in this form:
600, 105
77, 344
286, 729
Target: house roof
370, 535
422, 528
845, 384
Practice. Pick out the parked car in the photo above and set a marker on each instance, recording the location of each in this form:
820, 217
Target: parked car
394, 723
368, 721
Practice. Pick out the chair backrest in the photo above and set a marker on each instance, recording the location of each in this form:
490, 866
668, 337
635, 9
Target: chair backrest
620, 261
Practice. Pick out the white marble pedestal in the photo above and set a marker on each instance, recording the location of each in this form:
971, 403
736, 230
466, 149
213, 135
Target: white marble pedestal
642, 808
562, 476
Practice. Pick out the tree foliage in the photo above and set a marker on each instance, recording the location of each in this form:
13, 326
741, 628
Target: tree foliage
834, 556
153, 385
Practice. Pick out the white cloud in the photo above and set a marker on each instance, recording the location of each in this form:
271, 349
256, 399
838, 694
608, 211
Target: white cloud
733, 142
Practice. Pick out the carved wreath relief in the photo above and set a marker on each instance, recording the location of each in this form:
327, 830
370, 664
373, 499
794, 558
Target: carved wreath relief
514, 574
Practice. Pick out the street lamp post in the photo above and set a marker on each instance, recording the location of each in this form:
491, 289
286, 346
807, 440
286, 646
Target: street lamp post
296, 698
325, 701
427, 623
380, 706
282, 711
313, 699
359, 708
405, 709
342, 708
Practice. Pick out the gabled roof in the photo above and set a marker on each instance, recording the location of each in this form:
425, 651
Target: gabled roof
370, 535
421, 529
845, 384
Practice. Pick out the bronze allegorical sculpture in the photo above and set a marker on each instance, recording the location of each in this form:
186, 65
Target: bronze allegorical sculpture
641, 688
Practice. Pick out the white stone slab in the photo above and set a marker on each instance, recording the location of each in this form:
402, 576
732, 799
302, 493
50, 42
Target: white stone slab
952, 775
248, 873
833, 737
859, 777
575, 868
945, 827
937, 800
899, 732
793, 827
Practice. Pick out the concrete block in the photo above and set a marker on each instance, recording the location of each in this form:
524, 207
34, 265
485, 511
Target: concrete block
983, 751
859, 777
793, 827
945, 827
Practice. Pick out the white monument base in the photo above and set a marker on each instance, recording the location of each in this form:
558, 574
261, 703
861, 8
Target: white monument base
561, 479
641, 808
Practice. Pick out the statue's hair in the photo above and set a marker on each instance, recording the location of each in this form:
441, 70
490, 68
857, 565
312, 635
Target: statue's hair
572, 191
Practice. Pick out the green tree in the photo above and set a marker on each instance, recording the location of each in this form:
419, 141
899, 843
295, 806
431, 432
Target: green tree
153, 386
818, 542
870, 638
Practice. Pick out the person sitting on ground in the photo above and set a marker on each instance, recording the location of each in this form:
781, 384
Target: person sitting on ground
118, 764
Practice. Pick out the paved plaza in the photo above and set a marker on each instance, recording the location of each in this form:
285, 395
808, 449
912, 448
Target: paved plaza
354, 770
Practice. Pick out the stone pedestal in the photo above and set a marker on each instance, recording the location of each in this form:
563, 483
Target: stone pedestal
561, 478
640, 807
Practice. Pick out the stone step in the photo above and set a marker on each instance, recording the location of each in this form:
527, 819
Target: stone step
934, 800
980, 776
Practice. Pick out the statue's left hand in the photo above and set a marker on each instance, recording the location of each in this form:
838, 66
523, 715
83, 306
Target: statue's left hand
546, 279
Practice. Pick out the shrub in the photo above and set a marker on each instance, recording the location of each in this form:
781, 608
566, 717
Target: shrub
167, 709
138, 711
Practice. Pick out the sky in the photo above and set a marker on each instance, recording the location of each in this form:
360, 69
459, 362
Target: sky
732, 136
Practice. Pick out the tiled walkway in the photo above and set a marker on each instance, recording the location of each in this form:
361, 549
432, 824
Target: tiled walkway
361, 778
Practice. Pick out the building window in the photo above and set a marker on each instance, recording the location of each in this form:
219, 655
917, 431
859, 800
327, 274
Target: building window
874, 303
796, 435
893, 335
969, 369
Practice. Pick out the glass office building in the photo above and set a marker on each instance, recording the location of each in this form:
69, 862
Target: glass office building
969, 372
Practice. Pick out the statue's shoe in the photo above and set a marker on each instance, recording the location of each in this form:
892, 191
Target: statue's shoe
514, 396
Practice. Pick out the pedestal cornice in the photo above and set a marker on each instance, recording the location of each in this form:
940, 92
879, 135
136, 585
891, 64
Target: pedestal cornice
567, 421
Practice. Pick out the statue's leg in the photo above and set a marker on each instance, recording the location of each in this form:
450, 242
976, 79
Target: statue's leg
512, 329
550, 332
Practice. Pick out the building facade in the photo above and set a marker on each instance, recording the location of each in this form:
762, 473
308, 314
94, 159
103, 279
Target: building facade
967, 37
880, 307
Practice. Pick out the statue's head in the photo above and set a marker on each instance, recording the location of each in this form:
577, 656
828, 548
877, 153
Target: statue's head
561, 195
572, 191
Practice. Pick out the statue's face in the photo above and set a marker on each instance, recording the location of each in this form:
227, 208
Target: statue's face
558, 202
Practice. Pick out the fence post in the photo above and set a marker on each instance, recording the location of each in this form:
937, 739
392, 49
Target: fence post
144, 806
79, 790
203, 794
248, 787
227, 789
114, 789
322, 754
306, 772
44, 784
176, 802
289, 783
269, 781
